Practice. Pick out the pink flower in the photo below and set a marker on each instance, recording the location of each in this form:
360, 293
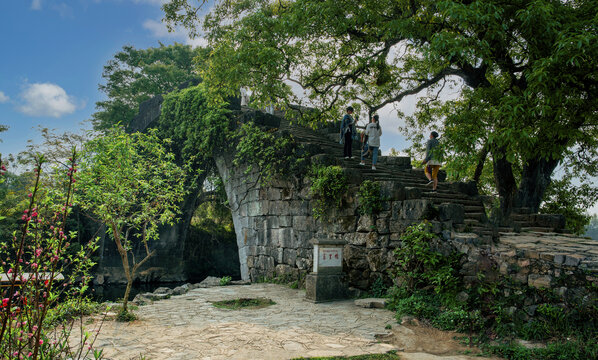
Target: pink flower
5, 302
30, 194
41, 342
34, 265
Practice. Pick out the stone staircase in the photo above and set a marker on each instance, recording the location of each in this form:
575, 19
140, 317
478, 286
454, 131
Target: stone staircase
399, 170
325, 141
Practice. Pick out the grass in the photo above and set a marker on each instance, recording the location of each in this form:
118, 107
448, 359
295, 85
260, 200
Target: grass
391, 355
243, 303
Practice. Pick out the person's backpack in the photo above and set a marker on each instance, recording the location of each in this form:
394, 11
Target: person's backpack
438, 152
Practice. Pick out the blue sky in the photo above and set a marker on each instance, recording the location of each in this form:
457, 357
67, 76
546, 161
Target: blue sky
54, 51
53, 54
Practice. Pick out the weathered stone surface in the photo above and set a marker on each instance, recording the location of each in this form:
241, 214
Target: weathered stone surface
454, 212
418, 209
366, 223
539, 281
378, 303
209, 282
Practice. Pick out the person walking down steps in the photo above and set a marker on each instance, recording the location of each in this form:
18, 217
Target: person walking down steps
432, 161
347, 133
372, 134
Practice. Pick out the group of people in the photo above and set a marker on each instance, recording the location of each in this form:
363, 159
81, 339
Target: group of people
370, 140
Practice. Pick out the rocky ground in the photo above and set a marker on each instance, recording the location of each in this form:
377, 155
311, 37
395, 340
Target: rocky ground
188, 326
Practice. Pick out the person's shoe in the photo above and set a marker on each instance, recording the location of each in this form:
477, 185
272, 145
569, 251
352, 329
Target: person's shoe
433, 190
351, 157
362, 163
373, 167
431, 182
347, 158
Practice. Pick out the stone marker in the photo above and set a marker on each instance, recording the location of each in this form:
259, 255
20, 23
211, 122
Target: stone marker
325, 283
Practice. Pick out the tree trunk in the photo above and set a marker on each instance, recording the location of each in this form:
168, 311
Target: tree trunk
535, 178
505, 183
481, 160
127, 293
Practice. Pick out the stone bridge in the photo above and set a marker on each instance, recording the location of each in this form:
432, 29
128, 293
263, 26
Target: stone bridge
274, 223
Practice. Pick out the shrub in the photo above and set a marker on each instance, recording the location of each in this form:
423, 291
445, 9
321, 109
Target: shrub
370, 200
328, 186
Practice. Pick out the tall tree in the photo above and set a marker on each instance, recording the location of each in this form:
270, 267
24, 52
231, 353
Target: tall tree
529, 69
136, 75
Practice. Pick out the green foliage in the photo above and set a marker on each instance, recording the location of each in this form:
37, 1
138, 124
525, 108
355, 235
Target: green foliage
70, 309
328, 187
134, 76
272, 154
370, 199
574, 349
379, 289
132, 185
225, 280
418, 266
391, 355
243, 303
529, 70
562, 197
125, 316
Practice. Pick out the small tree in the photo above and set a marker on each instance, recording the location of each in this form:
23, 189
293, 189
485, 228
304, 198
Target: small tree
133, 186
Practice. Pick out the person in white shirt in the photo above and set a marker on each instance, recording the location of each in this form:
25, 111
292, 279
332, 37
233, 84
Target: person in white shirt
372, 134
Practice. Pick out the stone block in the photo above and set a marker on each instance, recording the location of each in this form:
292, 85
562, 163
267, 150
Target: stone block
303, 223
322, 288
382, 225
416, 209
375, 241
285, 221
454, 212
554, 221
365, 223
285, 238
344, 224
257, 208
539, 281
468, 188
279, 257
180, 290
355, 258
559, 259
412, 193
357, 239
377, 260
573, 260
396, 210
290, 256
286, 271
392, 190
299, 207
377, 303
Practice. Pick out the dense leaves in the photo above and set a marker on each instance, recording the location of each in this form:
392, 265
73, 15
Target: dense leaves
134, 76
526, 72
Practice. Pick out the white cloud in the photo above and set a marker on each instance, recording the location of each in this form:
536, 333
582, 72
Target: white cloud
36, 5
46, 99
3, 97
160, 31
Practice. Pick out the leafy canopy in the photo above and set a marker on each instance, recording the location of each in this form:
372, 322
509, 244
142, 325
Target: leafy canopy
135, 75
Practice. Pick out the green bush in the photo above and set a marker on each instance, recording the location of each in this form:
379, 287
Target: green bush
370, 199
225, 280
418, 266
328, 186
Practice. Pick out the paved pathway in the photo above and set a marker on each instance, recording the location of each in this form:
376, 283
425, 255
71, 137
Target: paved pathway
189, 327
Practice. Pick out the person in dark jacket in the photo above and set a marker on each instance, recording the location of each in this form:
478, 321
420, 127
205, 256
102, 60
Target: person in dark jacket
347, 131
432, 161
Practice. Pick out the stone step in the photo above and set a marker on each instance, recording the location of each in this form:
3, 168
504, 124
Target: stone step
537, 229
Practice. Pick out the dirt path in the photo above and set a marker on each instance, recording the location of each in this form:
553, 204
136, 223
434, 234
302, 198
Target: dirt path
190, 327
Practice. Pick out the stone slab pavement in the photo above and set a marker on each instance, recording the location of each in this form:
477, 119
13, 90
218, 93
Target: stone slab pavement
189, 327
